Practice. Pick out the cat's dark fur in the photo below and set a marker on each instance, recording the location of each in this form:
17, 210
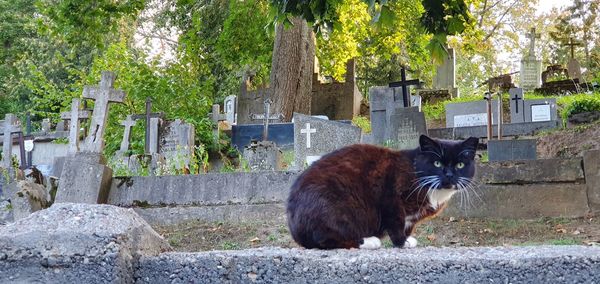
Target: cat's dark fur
362, 191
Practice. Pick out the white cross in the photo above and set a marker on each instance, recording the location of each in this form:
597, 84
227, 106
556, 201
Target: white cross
308, 131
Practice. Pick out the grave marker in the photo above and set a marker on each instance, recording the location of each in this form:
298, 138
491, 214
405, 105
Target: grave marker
149, 143
103, 95
540, 110
531, 67
314, 137
445, 75
128, 123
573, 67
405, 127
10, 127
74, 117
469, 114
404, 84
517, 107
230, 109
266, 117
177, 143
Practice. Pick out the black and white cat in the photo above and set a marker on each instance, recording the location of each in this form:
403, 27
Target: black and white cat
352, 196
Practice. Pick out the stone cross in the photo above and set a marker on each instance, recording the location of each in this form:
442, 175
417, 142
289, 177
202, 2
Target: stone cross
74, 117
404, 84
308, 131
9, 129
572, 43
46, 125
265, 118
103, 95
532, 36
147, 116
129, 122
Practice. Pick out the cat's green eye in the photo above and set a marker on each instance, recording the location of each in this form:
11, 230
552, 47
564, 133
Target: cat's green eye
438, 164
460, 165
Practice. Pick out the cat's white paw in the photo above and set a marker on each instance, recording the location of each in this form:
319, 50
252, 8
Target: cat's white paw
371, 243
410, 242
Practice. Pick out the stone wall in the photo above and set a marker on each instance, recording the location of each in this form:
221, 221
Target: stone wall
516, 189
337, 100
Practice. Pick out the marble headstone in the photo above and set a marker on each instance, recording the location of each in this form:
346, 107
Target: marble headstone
469, 113
404, 128
315, 137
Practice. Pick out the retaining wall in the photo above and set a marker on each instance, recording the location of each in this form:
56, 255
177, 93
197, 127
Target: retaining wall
515, 189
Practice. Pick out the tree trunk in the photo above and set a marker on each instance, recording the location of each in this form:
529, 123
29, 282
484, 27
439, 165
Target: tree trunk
292, 69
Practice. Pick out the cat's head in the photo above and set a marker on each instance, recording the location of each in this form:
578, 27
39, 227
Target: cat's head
443, 164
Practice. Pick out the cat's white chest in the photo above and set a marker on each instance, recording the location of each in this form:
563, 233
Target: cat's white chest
438, 197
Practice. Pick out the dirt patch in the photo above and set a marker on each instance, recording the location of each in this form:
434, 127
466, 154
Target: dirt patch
440, 232
569, 143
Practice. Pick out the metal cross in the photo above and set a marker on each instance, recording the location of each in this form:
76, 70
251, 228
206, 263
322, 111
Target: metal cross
516, 99
147, 117
404, 84
266, 117
572, 43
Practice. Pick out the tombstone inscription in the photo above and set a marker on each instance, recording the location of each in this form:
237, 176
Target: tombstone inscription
405, 127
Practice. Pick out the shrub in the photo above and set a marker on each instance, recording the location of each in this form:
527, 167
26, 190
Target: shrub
581, 104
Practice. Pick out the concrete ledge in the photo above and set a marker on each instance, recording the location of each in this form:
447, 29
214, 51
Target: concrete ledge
206, 189
531, 171
524, 201
512, 129
543, 264
591, 163
230, 213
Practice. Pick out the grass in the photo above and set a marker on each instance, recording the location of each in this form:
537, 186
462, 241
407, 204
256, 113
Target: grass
439, 232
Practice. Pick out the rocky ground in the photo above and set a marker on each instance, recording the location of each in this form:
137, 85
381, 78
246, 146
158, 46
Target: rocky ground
440, 232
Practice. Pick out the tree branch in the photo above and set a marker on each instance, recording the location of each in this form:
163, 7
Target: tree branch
500, 21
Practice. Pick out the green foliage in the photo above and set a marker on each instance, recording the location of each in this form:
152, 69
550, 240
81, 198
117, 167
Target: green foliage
363, 123
174, 90
579, 104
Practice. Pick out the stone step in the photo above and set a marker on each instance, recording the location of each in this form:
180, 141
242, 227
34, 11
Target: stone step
536, 264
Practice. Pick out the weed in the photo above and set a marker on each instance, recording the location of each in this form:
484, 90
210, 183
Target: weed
227, 245
564, 242
363, 123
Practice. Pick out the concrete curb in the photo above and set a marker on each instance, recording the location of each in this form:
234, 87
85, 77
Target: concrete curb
542, 264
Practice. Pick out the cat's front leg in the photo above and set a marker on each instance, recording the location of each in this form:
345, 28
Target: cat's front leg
410, 242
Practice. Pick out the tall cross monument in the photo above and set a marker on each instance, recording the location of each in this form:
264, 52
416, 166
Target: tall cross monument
103, 95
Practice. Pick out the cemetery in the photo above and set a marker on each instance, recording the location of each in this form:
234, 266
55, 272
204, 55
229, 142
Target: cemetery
132, 165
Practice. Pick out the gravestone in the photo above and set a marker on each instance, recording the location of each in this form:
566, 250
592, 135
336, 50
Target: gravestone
280, 133
74, 117
177, 143
46, 125
509, 150
10, 121
573, 67
517, 106
85, 178
103, 95
315, 137
128, 123
531, 67
405, 127
263, 156
445, 75
230, 106
249, 102
540, 110
469, 114
150, 126
382, 104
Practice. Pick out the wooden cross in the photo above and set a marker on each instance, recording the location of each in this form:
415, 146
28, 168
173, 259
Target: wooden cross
147, 116
103, 95
404, 84
532, 36
266, 117
572, 43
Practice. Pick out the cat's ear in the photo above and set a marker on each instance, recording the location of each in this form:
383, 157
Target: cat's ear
428, 145
471, 143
